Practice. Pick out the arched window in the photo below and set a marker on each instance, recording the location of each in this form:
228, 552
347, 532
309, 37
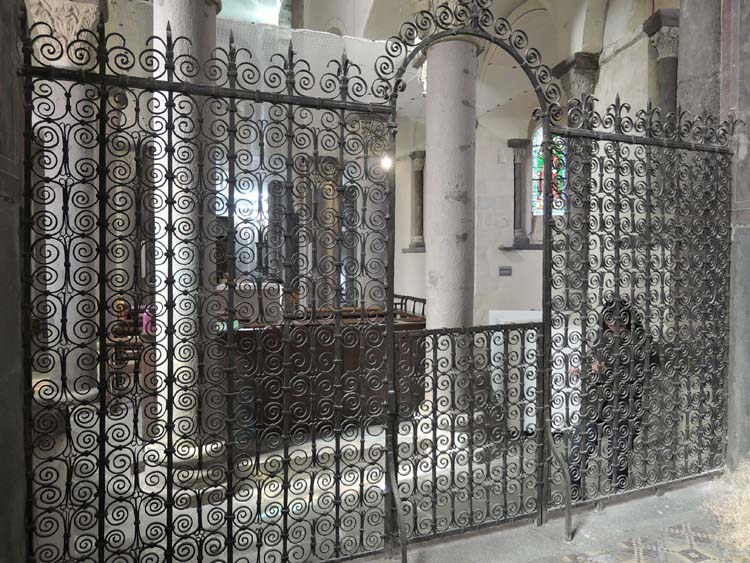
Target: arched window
559, 176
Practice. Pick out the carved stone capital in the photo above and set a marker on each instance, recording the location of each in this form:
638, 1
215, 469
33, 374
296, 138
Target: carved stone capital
417, 160
521, 149
65, 18
666, 41
578, 73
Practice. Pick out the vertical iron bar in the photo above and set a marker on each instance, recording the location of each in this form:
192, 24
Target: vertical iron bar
288, 257
315, 272
506, 419
522, 418
137, 275
435, 419
689, 357
103, 225
629, 441
647, 330
26, 225
547, 304
390, 368
454, 376
676, 294
587, 155
614, 446
338, 320
539, 437
231, 282
170, 67
413, 346
489, 446
138, 391
663, 276
470, 443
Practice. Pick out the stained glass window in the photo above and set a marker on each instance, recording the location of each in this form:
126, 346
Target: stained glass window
559, 174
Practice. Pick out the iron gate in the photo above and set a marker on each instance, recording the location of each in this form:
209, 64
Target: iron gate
639, 298
215, 366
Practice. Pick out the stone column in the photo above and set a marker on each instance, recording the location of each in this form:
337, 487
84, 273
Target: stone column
416, 242
451, 122
449, 173
664, 32
578, 75
193, 272
71, 240
292, 14
698, 73
521, 151
736, 101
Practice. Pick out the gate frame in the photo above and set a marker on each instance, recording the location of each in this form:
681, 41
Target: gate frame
468, 20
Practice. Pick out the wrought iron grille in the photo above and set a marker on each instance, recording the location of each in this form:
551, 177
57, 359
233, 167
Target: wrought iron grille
640, 298
218, 369
470, 441
207, 277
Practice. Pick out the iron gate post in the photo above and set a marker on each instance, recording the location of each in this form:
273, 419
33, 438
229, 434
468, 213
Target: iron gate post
26, 225
541, 457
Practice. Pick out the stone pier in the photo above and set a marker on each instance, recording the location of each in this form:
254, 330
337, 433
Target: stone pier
699, 68
664, 32
449, 183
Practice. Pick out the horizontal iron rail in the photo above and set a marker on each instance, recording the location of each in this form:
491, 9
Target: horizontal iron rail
205, 90
469, 330
635, 140
554, 511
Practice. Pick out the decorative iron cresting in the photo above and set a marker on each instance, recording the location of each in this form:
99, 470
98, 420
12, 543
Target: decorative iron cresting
218, 369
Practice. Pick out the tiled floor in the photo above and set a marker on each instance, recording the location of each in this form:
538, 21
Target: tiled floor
684, 543
673, 528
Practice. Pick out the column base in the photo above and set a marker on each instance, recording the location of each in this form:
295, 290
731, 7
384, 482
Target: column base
520, 238
414, 248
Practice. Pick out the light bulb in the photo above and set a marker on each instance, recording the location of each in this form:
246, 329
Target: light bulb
386, 163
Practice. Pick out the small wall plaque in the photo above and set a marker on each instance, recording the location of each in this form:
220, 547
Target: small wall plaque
505, 271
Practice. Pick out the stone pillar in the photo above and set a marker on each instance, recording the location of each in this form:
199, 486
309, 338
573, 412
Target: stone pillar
196, 20
664, 33
521, 151
449, 174
451, 123
73, 255
578, 75
292, 13
13, 544
698, 72
416, 242
736, 101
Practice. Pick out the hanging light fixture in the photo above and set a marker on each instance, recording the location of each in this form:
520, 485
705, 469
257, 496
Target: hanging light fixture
386, 163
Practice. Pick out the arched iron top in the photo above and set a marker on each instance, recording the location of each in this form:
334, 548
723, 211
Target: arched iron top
468, 19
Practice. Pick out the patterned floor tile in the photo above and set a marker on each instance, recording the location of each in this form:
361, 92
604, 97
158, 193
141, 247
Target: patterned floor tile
677, 544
